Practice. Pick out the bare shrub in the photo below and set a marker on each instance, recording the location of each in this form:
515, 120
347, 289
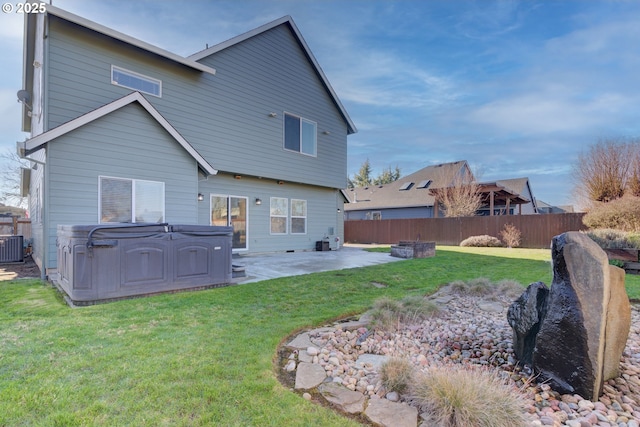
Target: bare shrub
603, 172
511, 236
481, 241
389, 314
462, 195
608, 238
620, 214
457, 397
396, 374
484, 287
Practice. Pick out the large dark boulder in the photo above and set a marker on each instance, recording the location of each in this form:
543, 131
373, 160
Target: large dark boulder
570, 347
525, 316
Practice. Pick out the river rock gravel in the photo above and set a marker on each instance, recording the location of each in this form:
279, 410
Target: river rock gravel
473, 330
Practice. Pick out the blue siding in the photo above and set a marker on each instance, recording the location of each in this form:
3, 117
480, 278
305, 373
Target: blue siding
127, 143
226, 116
322, 210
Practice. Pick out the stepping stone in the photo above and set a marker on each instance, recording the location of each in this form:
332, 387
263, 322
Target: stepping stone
309, 375
345, 399
385, 413
301, 342
373, 360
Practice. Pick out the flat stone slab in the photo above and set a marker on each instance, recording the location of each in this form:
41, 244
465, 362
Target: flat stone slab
301, 342
386, 413
353, 325
374, 361
309, 375
303, 356
345, 399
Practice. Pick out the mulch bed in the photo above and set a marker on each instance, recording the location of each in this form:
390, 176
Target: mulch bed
19, 270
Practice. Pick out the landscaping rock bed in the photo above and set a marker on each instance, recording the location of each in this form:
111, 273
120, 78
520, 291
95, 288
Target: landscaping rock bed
341, 363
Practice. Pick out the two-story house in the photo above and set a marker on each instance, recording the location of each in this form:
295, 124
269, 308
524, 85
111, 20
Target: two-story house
247, 133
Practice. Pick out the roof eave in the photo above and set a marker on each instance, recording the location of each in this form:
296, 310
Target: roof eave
68, 16
37, 142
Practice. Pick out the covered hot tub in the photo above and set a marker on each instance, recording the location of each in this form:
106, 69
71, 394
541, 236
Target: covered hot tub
103, 262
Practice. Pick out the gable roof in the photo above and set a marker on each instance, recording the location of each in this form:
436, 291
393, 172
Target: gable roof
37, 142
409, 191
285, 20
68, 16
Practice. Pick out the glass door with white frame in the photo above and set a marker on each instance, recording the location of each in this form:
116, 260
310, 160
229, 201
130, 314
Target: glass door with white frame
231, 211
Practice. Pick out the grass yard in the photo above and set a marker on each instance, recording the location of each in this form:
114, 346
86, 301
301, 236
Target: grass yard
206, 357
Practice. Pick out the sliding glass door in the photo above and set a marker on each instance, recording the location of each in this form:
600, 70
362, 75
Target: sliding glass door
231, 211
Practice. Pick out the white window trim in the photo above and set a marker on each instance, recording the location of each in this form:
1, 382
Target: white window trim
140, 76
133, 197
298, 216
285, 216
315, 135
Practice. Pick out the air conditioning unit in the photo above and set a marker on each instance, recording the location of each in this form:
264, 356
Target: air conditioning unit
11, 249
334, 243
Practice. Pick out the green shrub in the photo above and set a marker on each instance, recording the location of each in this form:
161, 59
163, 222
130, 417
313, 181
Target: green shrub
511, 236
481, 241
608, 238
388, 314
617, 263
396, 374
457, 397
620, 214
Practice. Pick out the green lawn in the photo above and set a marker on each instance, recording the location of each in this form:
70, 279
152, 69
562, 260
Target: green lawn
202, 358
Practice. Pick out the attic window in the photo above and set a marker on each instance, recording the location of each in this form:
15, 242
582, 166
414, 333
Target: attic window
406, 186
135, 81
424, 184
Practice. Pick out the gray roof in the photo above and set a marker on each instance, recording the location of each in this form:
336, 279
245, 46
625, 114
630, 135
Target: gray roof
393, 196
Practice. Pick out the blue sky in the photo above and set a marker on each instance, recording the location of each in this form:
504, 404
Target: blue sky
515, 88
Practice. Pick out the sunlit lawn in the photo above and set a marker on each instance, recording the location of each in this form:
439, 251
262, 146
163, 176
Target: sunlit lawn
207, 357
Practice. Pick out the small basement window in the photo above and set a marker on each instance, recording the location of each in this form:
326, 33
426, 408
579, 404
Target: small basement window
136, 81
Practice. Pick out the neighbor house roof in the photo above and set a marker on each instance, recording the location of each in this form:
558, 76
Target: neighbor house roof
285, 20
37, 142
409, 191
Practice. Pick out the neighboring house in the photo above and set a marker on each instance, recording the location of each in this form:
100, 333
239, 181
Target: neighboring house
516, 189
411, 195
546, 208
248, 133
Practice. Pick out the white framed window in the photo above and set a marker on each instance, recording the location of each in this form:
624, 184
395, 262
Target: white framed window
136, 81
300, 135
130, 200
278, 212
298, 216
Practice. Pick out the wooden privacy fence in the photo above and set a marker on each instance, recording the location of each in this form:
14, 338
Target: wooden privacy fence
15, 226
536, 230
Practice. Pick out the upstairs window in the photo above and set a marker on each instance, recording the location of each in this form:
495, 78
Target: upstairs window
131, 200
299, 135
135, 81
